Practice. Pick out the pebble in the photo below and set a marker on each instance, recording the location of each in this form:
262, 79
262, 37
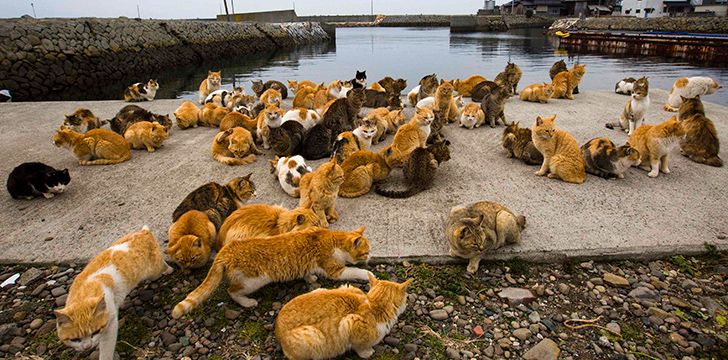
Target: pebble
439, 314
36, 323
452, 353
614, 328
615, 280
564, 289
522, 333
547, 349
517, 295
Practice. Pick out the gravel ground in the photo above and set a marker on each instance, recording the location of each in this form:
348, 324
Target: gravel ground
673, 308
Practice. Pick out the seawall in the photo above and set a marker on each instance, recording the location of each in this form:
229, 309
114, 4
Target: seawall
38, 57
488, 23
708, 25
382, 20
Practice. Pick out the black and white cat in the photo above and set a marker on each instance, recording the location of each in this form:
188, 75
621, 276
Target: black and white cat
34, 179
360, 80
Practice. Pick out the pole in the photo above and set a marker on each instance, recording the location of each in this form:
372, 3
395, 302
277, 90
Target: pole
371, 2
226, 10
33, 6
232, 6
139, 14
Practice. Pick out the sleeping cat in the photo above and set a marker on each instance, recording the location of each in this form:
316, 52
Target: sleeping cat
388, 121
287, 139
562, 158
288, 171
465, 87
187, 115
537, 93
217, 201
360, 80
517, 141
146, 135
81, 121
419, 170
235, 119
558, 67
223, 97
655, 142
351, 141
90, 317
259, 220
509, 77
701, 143
689, 88
319, 190
410, 136
341, 116
306, 97
209, 84
472, 116
211, 115
361, 170
635, 109
141, 91
608, 161
253, 263
96, 147
566, 81
392, 86
297, 85
625, 86
478, 228
33, 179
493, 105
324, 324
375, 99
191, 238
234, 147
131, 114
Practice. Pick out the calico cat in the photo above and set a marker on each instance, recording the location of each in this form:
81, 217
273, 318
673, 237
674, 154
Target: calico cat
131, 114
209, 84
480, 227
361, 170
689, 88
259, 220
319, 190
509, 78
187, 115
351, 141
307, 118
253, 263
306, 97
324, 324
191, 238
655, 142
141, 91
701, 143
217, 201
625, 86
635, 109
236, 119
537, 93
472, 116
410, 136
565, 82
606, 160
340, 117
91, 315
392, 86
482, 90
419, 170
388, 121
360, 80
96, 147
81, 121
465, 87
224, 97
558, 67
259, 87
211, 115
287, 139
517, 141
428, 86
493, 105
269, 118
298, 85
234, 147
33, 179
562, 158
146, 135
288, 171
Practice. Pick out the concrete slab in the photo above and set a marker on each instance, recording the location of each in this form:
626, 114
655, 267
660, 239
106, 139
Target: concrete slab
635, 217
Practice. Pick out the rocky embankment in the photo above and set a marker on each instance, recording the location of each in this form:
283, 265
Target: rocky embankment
709, 25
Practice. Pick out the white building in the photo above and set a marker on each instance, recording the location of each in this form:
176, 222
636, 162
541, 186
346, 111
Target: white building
643, 8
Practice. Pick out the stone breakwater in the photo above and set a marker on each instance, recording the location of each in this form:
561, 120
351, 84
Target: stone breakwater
710, 25
495, 23
38, 57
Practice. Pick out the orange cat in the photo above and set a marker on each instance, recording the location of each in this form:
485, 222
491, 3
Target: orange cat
297, 85
362, 169
444, 101
655, 142
319, 190
95, 147
465, 87
537, 93
146, 135
565, 82
211, 115
271, 96
270, 117
91, 315
234, 147
387, 122
376, 87
190, 239
187, 115
210, 84
324, 324
253, 263
562, 157
410, 136
236, 119
305, 97
472, 116
258, 220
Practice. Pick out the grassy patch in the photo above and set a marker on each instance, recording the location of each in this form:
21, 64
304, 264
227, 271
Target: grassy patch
132, 334
518, 266
449, 279
686, 265
252, 331
630, 332
382, 275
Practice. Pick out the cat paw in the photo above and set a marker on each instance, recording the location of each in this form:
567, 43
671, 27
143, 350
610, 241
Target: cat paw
653, 174
620, 176
365, 354
246, 302
151, 149
168, 270
665, 170
540, 173
552, 176
48, 195
472, 269
310, 278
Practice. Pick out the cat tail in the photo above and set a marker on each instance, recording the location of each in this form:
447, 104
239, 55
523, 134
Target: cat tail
712, 161
397, 194
235, 161
521, 221
613, 125
202, 292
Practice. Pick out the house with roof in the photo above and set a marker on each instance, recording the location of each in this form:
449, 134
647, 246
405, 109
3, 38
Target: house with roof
539, 7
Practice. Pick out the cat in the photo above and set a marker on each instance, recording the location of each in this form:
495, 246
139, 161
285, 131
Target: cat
537, 93
95, 147
324, 324
209, 84
493, 105
320, 99
509, 78
334, 89
306, 96
445, 102
298, 85
472, 116
428, 86
388, 121
634, 111
655, 142
689, 88
625, 86
419, 170
81, 121
191, 238
361, 170
410, 136
392, 86
236, 119
517, 141
234, 147
562, 158
33, 179
187, 115
376, 87
217, 201
319, 190
558, 67
288, 171
483, 226
253, 263
240, 103
224, 97
258, 87
271, 97
482, 90
351, 141
90, 317
259, 220
141, 91
413, 96
606, 160
565, 82
131, 114
307, 118
346, 86
146, 135
465, 87
211, 115
701, 143
340, 117
287, 139
269, 118
360, 80
375, 99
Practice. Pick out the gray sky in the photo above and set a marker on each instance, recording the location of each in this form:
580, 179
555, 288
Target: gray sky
165, 9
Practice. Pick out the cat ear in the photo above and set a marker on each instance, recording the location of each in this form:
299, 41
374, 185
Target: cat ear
300, 219
61, 316
197, 243
406, 283
683, 98
209, 72
247, 177
360, 230
65, 172
357, 242
539, 121
372, 279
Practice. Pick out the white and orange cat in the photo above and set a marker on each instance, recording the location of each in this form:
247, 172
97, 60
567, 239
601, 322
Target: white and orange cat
690, 88
271, 117
307, 118
655, 142
410, 136
472, 116
91, 315
210, 84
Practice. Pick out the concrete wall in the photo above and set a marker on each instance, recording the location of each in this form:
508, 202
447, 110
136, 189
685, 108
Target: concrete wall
38, 57
711, 25
339, 18
467, 23
264, 16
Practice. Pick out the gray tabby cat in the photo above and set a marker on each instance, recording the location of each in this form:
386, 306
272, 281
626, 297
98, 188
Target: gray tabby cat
493, 105
217, 201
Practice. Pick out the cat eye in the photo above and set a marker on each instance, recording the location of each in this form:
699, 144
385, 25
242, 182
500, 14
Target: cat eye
96, 332
75, 340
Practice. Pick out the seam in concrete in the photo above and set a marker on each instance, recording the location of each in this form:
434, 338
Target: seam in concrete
271, 38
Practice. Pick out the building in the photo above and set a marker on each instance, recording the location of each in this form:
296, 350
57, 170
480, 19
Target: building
643, 8
539, 7
712, 7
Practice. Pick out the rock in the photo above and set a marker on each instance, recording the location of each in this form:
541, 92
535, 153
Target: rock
56, 292
30, 275
489, 351
410, 347
522, 334
615, 280
517, 295
231, 314
564, 289
644, 293
391, 341
438, 314
61, 300
452, 353
587, 265
604, 341
168, 339
712, 305
544, 350
534, 317
478, 331
614, 328
36, 323
654, 311
678, 339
